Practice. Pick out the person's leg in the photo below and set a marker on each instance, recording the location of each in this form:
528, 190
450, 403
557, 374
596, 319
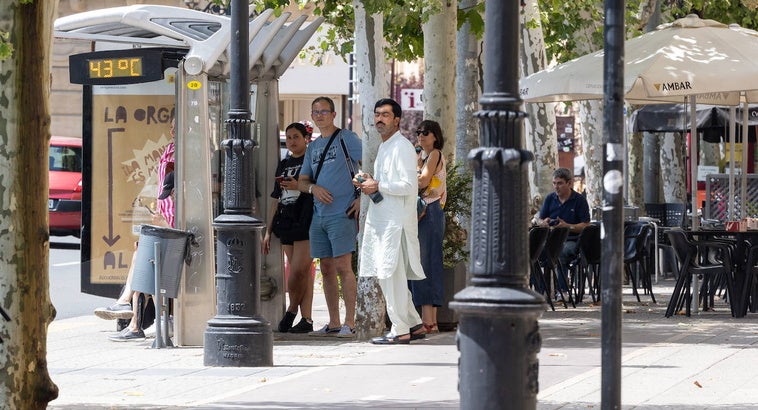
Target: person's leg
126, 294
301, 277
292, 286
343, 235
121, 309
429, 317
331, 291
400, 306
568, 253
291, 313
133, 331
428, 292
344, 267
321, 247
136, 316
301, 269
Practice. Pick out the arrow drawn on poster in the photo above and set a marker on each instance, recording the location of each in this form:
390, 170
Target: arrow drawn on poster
110, 239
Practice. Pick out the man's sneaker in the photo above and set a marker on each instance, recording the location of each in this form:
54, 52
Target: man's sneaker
326, 331
127, 335
115, 311
304, 326
286, 323
346, 331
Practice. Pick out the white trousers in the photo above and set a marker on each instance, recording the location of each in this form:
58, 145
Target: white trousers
400, 306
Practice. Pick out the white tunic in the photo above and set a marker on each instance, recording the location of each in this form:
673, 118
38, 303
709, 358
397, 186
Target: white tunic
392, 224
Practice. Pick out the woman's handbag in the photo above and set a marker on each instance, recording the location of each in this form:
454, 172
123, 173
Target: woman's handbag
420, 207
294, 219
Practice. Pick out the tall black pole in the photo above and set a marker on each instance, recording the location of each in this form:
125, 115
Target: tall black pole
238, 335
498, 333
613, 210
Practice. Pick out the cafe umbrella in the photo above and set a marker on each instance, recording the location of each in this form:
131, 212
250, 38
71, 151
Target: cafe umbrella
690, 60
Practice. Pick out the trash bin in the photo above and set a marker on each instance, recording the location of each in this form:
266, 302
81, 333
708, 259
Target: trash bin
453, 282
174, 248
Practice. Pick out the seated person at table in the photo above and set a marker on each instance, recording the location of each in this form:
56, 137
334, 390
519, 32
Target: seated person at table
565, 208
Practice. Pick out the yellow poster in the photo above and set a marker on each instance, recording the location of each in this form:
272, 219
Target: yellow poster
130, 132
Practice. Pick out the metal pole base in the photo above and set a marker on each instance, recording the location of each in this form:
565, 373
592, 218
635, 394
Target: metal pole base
238, 343
498, 339
238, 336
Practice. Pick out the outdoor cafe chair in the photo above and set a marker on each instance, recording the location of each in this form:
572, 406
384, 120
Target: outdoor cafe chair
692, 265
585, 268
537, 239
637, 257
749, 297
552, 264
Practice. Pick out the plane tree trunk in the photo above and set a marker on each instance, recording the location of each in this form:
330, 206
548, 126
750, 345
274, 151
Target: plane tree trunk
24, 134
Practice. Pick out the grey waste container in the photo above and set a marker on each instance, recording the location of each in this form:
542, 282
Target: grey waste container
174, 247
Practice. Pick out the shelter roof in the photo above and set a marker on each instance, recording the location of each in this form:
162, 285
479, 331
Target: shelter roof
273, 42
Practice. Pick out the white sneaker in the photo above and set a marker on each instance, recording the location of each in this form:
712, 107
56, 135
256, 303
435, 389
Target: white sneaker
150, 331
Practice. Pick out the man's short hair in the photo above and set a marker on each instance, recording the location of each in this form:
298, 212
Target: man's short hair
326, 100
397, 111
563, 173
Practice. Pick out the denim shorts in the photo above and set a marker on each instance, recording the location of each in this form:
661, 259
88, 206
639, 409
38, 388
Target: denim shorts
333, 235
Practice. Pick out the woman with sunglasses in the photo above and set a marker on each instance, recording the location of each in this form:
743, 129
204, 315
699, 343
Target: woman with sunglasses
428, 292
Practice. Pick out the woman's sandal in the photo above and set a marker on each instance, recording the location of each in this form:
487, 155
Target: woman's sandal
418, 332
431, 328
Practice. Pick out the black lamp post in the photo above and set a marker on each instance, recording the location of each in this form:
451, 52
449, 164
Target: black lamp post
498, 334
612, 264
238, 335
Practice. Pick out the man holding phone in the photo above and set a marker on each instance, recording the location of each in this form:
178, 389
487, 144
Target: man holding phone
565, 208
327, 174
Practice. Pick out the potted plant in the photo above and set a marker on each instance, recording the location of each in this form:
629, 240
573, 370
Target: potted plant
457, 210
455, 248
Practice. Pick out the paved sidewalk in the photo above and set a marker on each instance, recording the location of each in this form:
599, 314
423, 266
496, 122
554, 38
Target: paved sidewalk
704, 362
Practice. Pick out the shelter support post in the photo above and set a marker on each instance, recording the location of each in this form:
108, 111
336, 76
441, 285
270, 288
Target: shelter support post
238, 335
498, 333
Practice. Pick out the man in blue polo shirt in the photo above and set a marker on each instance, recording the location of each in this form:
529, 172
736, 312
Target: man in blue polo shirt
565, 208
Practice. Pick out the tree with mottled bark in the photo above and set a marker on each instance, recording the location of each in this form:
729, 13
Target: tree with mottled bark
25, 132
373, 84
468, 75
540, 129
439, 74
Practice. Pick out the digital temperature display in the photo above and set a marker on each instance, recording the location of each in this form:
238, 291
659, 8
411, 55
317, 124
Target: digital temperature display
128, 66
115, 67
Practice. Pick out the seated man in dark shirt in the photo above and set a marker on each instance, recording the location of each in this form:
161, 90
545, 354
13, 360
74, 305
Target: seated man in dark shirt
565, 208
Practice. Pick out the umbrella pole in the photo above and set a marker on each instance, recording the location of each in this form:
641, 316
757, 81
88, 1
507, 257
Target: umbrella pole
732, 141
743, 185
693, 161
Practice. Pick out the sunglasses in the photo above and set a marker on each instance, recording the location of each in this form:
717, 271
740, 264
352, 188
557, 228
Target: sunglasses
424, 132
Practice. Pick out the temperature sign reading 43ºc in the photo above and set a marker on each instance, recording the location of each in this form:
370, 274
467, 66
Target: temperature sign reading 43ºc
115, 67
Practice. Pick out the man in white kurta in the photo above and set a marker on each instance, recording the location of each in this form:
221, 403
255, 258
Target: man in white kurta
390, 248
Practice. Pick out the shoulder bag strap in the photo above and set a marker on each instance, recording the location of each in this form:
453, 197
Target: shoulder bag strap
323, 155
348, 160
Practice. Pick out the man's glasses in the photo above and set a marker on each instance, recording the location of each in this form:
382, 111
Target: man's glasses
424, 132
316, 113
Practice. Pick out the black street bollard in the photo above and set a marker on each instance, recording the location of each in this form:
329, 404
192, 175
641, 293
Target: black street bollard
238, 335
498, 333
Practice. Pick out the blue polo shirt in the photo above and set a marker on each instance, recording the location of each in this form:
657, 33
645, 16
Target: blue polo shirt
575, 210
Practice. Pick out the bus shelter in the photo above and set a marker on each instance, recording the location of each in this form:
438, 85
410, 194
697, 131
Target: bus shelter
151, 64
